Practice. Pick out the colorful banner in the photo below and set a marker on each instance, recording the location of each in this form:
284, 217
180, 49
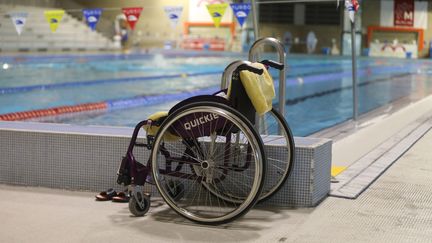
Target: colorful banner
352, 6
19, 20
132, 15
217, 11
92, 17
404, 13
54, 17
241, 11
173, 13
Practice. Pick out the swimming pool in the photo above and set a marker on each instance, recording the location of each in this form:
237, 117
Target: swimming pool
318, 95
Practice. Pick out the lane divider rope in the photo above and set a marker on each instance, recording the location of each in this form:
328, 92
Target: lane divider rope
104, 105
25, 115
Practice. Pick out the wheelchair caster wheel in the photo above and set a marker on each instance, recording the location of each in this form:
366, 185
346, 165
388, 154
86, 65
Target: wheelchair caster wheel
139, 206
175, 189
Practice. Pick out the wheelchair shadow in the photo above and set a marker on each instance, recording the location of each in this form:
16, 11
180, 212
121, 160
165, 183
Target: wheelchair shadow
162, 222
246, 222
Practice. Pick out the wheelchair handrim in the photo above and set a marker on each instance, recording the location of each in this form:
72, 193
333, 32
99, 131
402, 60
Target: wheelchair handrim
258, 177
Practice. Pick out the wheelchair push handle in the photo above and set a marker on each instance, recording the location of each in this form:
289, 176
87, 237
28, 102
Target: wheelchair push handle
250, 68
273, 64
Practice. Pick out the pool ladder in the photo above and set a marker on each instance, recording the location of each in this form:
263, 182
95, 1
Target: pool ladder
254, 56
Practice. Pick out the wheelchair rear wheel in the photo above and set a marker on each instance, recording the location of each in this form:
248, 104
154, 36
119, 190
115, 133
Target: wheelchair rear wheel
279, 144
218, 158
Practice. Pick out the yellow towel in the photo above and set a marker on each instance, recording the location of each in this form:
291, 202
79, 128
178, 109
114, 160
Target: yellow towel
259, 88
153, 129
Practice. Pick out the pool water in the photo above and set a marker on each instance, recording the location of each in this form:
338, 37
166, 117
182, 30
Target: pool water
318, 93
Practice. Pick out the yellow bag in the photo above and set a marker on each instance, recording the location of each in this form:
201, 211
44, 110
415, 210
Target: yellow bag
259, 88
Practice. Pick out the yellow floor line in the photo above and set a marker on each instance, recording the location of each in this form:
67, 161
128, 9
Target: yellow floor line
336, 170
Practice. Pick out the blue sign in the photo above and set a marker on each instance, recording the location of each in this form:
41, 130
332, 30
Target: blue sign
173, 13
92, 17
19, 19
241, 11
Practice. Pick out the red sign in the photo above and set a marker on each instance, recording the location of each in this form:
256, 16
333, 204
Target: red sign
132, 15
404, 13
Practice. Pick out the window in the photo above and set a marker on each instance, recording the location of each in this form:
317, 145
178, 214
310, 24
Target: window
322, 14
281, 13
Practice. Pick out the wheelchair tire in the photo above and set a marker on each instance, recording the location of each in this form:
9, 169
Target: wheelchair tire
208, 159
275, 132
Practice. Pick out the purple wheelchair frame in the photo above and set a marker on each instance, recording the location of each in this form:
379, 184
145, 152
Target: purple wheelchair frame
132, 172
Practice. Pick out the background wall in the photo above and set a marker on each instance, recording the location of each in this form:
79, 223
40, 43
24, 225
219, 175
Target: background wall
323, 33
371, 10
276, 22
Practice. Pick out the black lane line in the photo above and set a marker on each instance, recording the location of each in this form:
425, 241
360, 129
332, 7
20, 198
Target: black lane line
327, 92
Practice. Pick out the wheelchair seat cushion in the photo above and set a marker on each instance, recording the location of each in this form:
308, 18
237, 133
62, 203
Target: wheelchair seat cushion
154, 121
259, 88
153, 124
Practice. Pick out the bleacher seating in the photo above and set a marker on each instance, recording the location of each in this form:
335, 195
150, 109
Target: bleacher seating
71, 34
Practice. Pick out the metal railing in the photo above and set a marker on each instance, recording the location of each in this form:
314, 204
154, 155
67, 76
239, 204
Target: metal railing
254, 56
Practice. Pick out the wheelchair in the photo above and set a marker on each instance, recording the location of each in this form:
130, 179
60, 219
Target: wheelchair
211, 156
